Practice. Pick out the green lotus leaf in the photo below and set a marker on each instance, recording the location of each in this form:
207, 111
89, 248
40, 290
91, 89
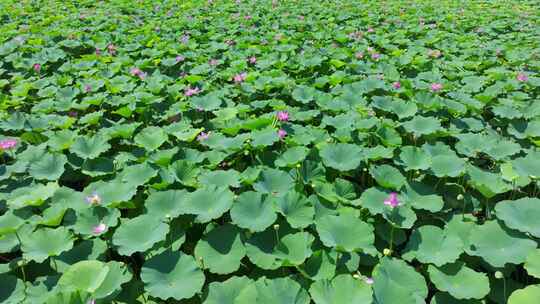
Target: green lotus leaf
280, 291
89, 147
294, 249
235, 290
373, 199
264, 138
397, 282
420, 125
85, 220
532, 263
208, 203
139, 234
304, 94
98, 166
221, 249
489, 184
111, 192
264, 250
221, 178
444, 298
118, 274
401, 216
529, 294
33, 195
93, 249
387, 176
260, 249
340, 190
345, 233
292, 156
422, 196
46, 242
459, 281
389, 136
343, 157
86, 276
431, 244
499, 245
137, 175
341, 289
12, 289
274, 182
49, 167
166, 204
414, 158
185, 172
151, 138
447, 165
10, 222
321, 265
296, 208
207, 102
528, 166
519, 214
253, 211
172, 275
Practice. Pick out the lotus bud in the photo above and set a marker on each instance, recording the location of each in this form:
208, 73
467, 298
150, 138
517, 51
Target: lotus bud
387, 252
460, 197
298, 165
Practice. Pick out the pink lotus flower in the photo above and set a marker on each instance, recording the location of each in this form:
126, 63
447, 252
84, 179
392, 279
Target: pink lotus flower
522, 77
375, 56
282, 133
436, 86
392, 200
73, 114
92, 301
191, 91
8, 144
111, 49
203, 136
99, 228
370, 49
213, 62
184, 39
37, 67
138, 72
396, 85
359, 55
239, 78
87, 88
283, 116
252, 59
434, 53
98, 52
93, 199
370, 30
248, 17
369, 281
301, 17
180, 58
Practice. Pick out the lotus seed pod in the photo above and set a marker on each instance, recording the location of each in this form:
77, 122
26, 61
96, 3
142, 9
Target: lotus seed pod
276, 227
298, 165
499, 275
460, 197
387, 252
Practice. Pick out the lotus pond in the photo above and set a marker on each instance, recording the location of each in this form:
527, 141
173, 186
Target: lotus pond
270, 152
